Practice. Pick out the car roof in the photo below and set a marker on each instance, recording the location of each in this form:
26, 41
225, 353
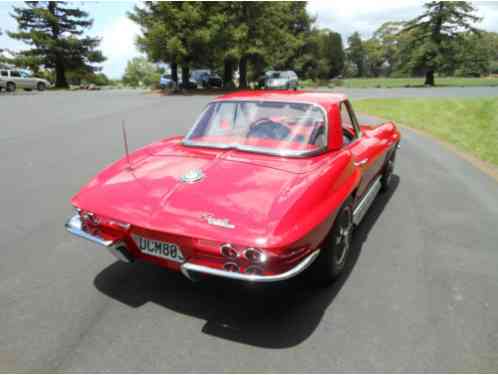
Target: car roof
324, 99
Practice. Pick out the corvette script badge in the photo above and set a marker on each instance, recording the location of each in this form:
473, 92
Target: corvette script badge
225, 223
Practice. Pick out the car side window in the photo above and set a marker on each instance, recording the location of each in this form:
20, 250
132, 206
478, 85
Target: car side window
349, 131
15, 74
4, 73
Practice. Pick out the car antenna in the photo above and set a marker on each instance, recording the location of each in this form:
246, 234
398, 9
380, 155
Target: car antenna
125, 141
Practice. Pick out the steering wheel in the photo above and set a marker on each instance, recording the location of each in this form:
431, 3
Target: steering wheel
265, 128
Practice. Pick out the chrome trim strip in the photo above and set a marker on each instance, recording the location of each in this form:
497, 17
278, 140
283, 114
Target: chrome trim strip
74, 226
186, 268
362, 207
261, 150
258, 150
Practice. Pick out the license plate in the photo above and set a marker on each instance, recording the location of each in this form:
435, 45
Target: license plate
160, 249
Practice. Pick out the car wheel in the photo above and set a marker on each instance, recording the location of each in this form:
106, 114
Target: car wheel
335, 249
387, 175
40, 86
11, 87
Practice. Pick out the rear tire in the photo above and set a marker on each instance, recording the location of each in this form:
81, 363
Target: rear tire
11, 87
336, 248
386, 179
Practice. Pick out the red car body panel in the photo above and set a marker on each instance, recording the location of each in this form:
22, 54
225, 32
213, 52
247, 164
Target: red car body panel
283, 205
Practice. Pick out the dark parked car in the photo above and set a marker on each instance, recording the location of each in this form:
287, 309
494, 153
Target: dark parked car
191, 84
208, 80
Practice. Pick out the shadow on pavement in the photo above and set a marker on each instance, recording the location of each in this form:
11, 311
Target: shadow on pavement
272, 316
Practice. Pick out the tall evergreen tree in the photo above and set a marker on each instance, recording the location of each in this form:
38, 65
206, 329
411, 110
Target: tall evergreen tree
176, 32
336, 54
55, 32
433, 33
357, 53
214, 34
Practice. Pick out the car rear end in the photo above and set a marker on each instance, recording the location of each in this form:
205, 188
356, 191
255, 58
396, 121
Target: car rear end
189, 255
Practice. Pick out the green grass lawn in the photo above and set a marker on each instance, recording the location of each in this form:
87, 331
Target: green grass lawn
417, 82
363, 83
470, 124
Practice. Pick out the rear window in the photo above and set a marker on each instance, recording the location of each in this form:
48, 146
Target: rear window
292, 129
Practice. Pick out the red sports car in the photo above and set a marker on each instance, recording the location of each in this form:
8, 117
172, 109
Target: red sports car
265, 185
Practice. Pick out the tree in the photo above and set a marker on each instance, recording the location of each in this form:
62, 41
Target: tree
390, 42
476, 54
140, 72
176, 32
54, 30
323, 55
356, 53
433, 33
374, 59
336, 54
257, 28
289, 39
222, 34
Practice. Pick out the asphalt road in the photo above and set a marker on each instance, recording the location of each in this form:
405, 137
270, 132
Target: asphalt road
421, 293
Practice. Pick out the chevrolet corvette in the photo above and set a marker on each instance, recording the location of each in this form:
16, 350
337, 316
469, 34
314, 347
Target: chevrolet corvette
265, 185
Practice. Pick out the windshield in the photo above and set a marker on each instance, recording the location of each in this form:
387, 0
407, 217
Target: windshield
290, 129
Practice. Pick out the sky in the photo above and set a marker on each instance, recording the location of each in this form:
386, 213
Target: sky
118, 33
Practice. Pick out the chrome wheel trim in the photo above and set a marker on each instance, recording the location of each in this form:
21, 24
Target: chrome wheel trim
343, 238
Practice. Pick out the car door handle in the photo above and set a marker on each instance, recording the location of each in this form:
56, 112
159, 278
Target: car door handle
360, 163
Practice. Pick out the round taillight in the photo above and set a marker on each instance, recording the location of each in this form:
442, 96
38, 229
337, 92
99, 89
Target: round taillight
255, 255
228, 251
231, 267
90, 222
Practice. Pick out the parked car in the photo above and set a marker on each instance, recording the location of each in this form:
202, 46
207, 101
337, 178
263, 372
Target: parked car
90, 87
190, 85
166, 82
10, 80
281, 80
208, 80
264, 186
196, 74
266, 76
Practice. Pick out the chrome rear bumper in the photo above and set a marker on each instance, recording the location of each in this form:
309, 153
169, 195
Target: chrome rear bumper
186, 268
118, 249
115, 247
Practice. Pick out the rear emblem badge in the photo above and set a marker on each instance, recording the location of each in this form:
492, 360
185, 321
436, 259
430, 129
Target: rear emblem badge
192, 176
225, 223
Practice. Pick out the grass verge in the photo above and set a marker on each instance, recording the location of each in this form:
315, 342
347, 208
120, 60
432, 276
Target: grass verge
469, 124
366, 83
418, 82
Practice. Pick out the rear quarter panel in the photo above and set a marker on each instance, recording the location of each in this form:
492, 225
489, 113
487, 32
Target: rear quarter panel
317, 196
